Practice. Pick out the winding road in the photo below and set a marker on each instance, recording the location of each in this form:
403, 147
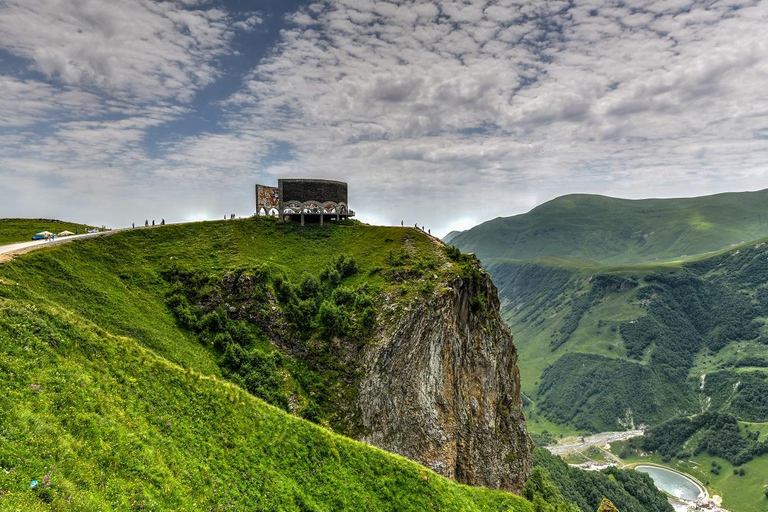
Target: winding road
8, 251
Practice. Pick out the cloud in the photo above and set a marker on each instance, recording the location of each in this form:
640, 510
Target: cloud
433, 110
496, 97
130, 49
26, 102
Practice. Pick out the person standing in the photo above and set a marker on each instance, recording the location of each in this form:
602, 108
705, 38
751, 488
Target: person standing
133, 225
146, 223
153, 222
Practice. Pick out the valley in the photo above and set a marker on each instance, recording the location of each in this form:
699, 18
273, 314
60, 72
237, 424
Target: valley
252, 364
617, 331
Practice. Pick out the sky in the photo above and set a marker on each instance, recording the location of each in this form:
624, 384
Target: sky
444, 113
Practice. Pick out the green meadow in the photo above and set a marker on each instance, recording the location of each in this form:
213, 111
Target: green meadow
109, 405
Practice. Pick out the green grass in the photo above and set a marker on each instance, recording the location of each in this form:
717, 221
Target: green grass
117, 279
22, 230
617, 231
125, 410
131, 412
120, 428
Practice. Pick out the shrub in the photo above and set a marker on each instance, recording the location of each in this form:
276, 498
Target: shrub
309, 287
331, 320
343, 296
346, 266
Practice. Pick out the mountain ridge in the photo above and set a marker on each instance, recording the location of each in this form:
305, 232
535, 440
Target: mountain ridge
613, 230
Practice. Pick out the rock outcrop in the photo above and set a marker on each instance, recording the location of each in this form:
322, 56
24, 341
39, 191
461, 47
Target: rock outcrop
436, 381
441, 386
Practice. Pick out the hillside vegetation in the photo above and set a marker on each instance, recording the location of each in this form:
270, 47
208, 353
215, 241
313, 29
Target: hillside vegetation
602, 348
117, 394
22, 230
598, 229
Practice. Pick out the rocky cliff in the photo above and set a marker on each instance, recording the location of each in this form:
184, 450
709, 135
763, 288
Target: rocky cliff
431, 375
441, 386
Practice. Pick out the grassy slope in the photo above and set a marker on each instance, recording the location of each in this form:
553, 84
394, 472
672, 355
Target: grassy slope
22, 230
116, 279
740, 493
130, 412
124, 429
610, 230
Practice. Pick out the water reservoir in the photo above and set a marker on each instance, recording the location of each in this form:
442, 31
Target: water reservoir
672, 483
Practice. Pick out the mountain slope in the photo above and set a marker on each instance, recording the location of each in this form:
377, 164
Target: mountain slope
607, 230
114, 426
117, 353
642, 343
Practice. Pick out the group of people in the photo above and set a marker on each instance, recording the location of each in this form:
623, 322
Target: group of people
429, 231
146, 223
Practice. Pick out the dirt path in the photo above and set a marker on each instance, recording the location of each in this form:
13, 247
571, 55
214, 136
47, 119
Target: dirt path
579, 444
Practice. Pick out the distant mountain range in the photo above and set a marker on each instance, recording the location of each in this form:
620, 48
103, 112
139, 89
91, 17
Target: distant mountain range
606, 230
631, 311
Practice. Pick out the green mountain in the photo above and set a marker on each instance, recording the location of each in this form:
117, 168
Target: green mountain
615, 328
217, 365
605, 347
605, 230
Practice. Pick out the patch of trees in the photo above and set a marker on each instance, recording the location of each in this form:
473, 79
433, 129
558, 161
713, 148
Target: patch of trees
244, 315
753, 361
580, 305
744, 393
720, 436
554, 482
686, 313
592, 392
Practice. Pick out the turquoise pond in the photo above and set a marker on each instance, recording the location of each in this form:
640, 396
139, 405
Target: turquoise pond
672, 483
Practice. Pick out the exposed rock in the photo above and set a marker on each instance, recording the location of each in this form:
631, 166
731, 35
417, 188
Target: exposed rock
439, 382
441, 386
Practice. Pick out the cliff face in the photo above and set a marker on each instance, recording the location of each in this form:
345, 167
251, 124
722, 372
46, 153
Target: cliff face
441, 386
435, 379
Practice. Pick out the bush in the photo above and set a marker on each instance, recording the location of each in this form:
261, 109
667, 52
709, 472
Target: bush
346, 266
343, 296
332, 320
309, 287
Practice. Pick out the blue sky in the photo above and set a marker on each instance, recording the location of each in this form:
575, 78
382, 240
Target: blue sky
441, 112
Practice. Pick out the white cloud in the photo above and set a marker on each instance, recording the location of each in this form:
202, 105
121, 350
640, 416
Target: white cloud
406, 98
127, 48
437, 110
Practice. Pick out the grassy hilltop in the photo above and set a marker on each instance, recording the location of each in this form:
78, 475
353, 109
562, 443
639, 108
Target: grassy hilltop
606, 230
22, 230
126, 383
109, 404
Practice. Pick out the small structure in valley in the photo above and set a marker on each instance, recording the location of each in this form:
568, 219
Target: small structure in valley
304, 200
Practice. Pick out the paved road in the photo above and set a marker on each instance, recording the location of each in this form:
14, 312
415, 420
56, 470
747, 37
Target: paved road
21, 247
